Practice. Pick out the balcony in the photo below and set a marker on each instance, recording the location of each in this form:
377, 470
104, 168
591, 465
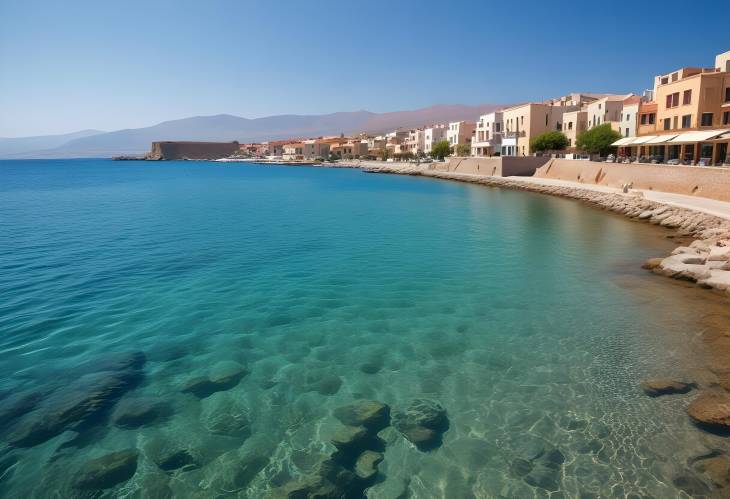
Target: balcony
513, 135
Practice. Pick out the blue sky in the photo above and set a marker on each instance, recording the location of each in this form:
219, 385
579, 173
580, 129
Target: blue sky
71, 65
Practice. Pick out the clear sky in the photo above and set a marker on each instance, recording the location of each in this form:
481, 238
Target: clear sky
71, 65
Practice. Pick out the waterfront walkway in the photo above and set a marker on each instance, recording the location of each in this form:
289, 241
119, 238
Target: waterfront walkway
709, 206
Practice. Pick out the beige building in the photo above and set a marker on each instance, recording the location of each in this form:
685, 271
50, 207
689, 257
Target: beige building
417, 141
689, 120
607, 109
574, 123
460, 133
293, 151
525, 121
314, 149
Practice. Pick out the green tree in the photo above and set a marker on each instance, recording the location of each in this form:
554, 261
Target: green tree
549, 141
440, 149
463, 150
598, 140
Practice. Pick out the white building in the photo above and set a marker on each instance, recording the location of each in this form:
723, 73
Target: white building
416, 141
460, 133
433, 134
488, 135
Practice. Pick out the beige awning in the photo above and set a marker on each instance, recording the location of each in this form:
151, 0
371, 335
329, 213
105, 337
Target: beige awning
660, 139
724, 136
644, 139
690, 137
624, 142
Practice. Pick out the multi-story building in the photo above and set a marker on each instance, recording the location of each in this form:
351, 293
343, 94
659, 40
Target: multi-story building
315, 148
629, 121
689, 120
433, 134
416, 141
525, 121
607, 109
353, 148
460, 133
293, 151
574, 123
273, 148
488, 135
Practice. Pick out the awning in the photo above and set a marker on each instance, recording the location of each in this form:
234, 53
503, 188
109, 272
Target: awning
643, 140
660, 139
623, 142
724, 136
690, 137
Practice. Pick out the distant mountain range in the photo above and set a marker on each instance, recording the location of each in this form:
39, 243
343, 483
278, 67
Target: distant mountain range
225, 127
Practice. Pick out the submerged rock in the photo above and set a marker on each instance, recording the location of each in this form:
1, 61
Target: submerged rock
717, 468
181, 459
711, 410
225, 415
423, 423
108, 471
657, 387
232, 471
136, 412
224, 376
366, 466
368, 413
84, 401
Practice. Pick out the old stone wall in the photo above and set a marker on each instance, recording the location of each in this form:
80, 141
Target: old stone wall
707, 182
169, 150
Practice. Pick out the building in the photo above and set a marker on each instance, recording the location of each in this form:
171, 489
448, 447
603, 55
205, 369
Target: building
315, 149
293, 151
629, 121
488, 135
525, 121
574, 123
273, 148
416, 141
689, 120
460, 133
432, 135
353, 148
607, 109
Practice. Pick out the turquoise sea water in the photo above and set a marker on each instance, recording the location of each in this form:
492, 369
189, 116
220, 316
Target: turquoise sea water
526, 317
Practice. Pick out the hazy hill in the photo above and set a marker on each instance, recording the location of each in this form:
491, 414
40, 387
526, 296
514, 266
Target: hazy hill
224, 127
13, 146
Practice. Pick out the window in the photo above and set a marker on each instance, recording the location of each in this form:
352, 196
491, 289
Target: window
727, 94
706, 119
686, 121
675, 76
667, 123
628, 116
687, 97
627, 133
665, 80
726, 118
644, 119
673, 99
570, 125
652, 118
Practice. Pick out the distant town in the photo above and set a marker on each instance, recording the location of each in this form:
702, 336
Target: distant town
684, 119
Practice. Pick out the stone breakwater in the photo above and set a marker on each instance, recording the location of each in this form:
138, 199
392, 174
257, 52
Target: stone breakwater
706, 261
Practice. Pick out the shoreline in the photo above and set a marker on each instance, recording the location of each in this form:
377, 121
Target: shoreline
705, 262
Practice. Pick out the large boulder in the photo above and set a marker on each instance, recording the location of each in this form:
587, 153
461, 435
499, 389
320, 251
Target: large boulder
366, 466
107, 471
422, 423
84, 401
371, 414
138, 411
657, 387
711, 410
223, 376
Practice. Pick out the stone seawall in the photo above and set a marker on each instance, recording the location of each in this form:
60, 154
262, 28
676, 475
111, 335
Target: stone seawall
170, 150
707, 182
506, 166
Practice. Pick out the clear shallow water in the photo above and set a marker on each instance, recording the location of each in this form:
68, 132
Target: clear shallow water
525, 316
